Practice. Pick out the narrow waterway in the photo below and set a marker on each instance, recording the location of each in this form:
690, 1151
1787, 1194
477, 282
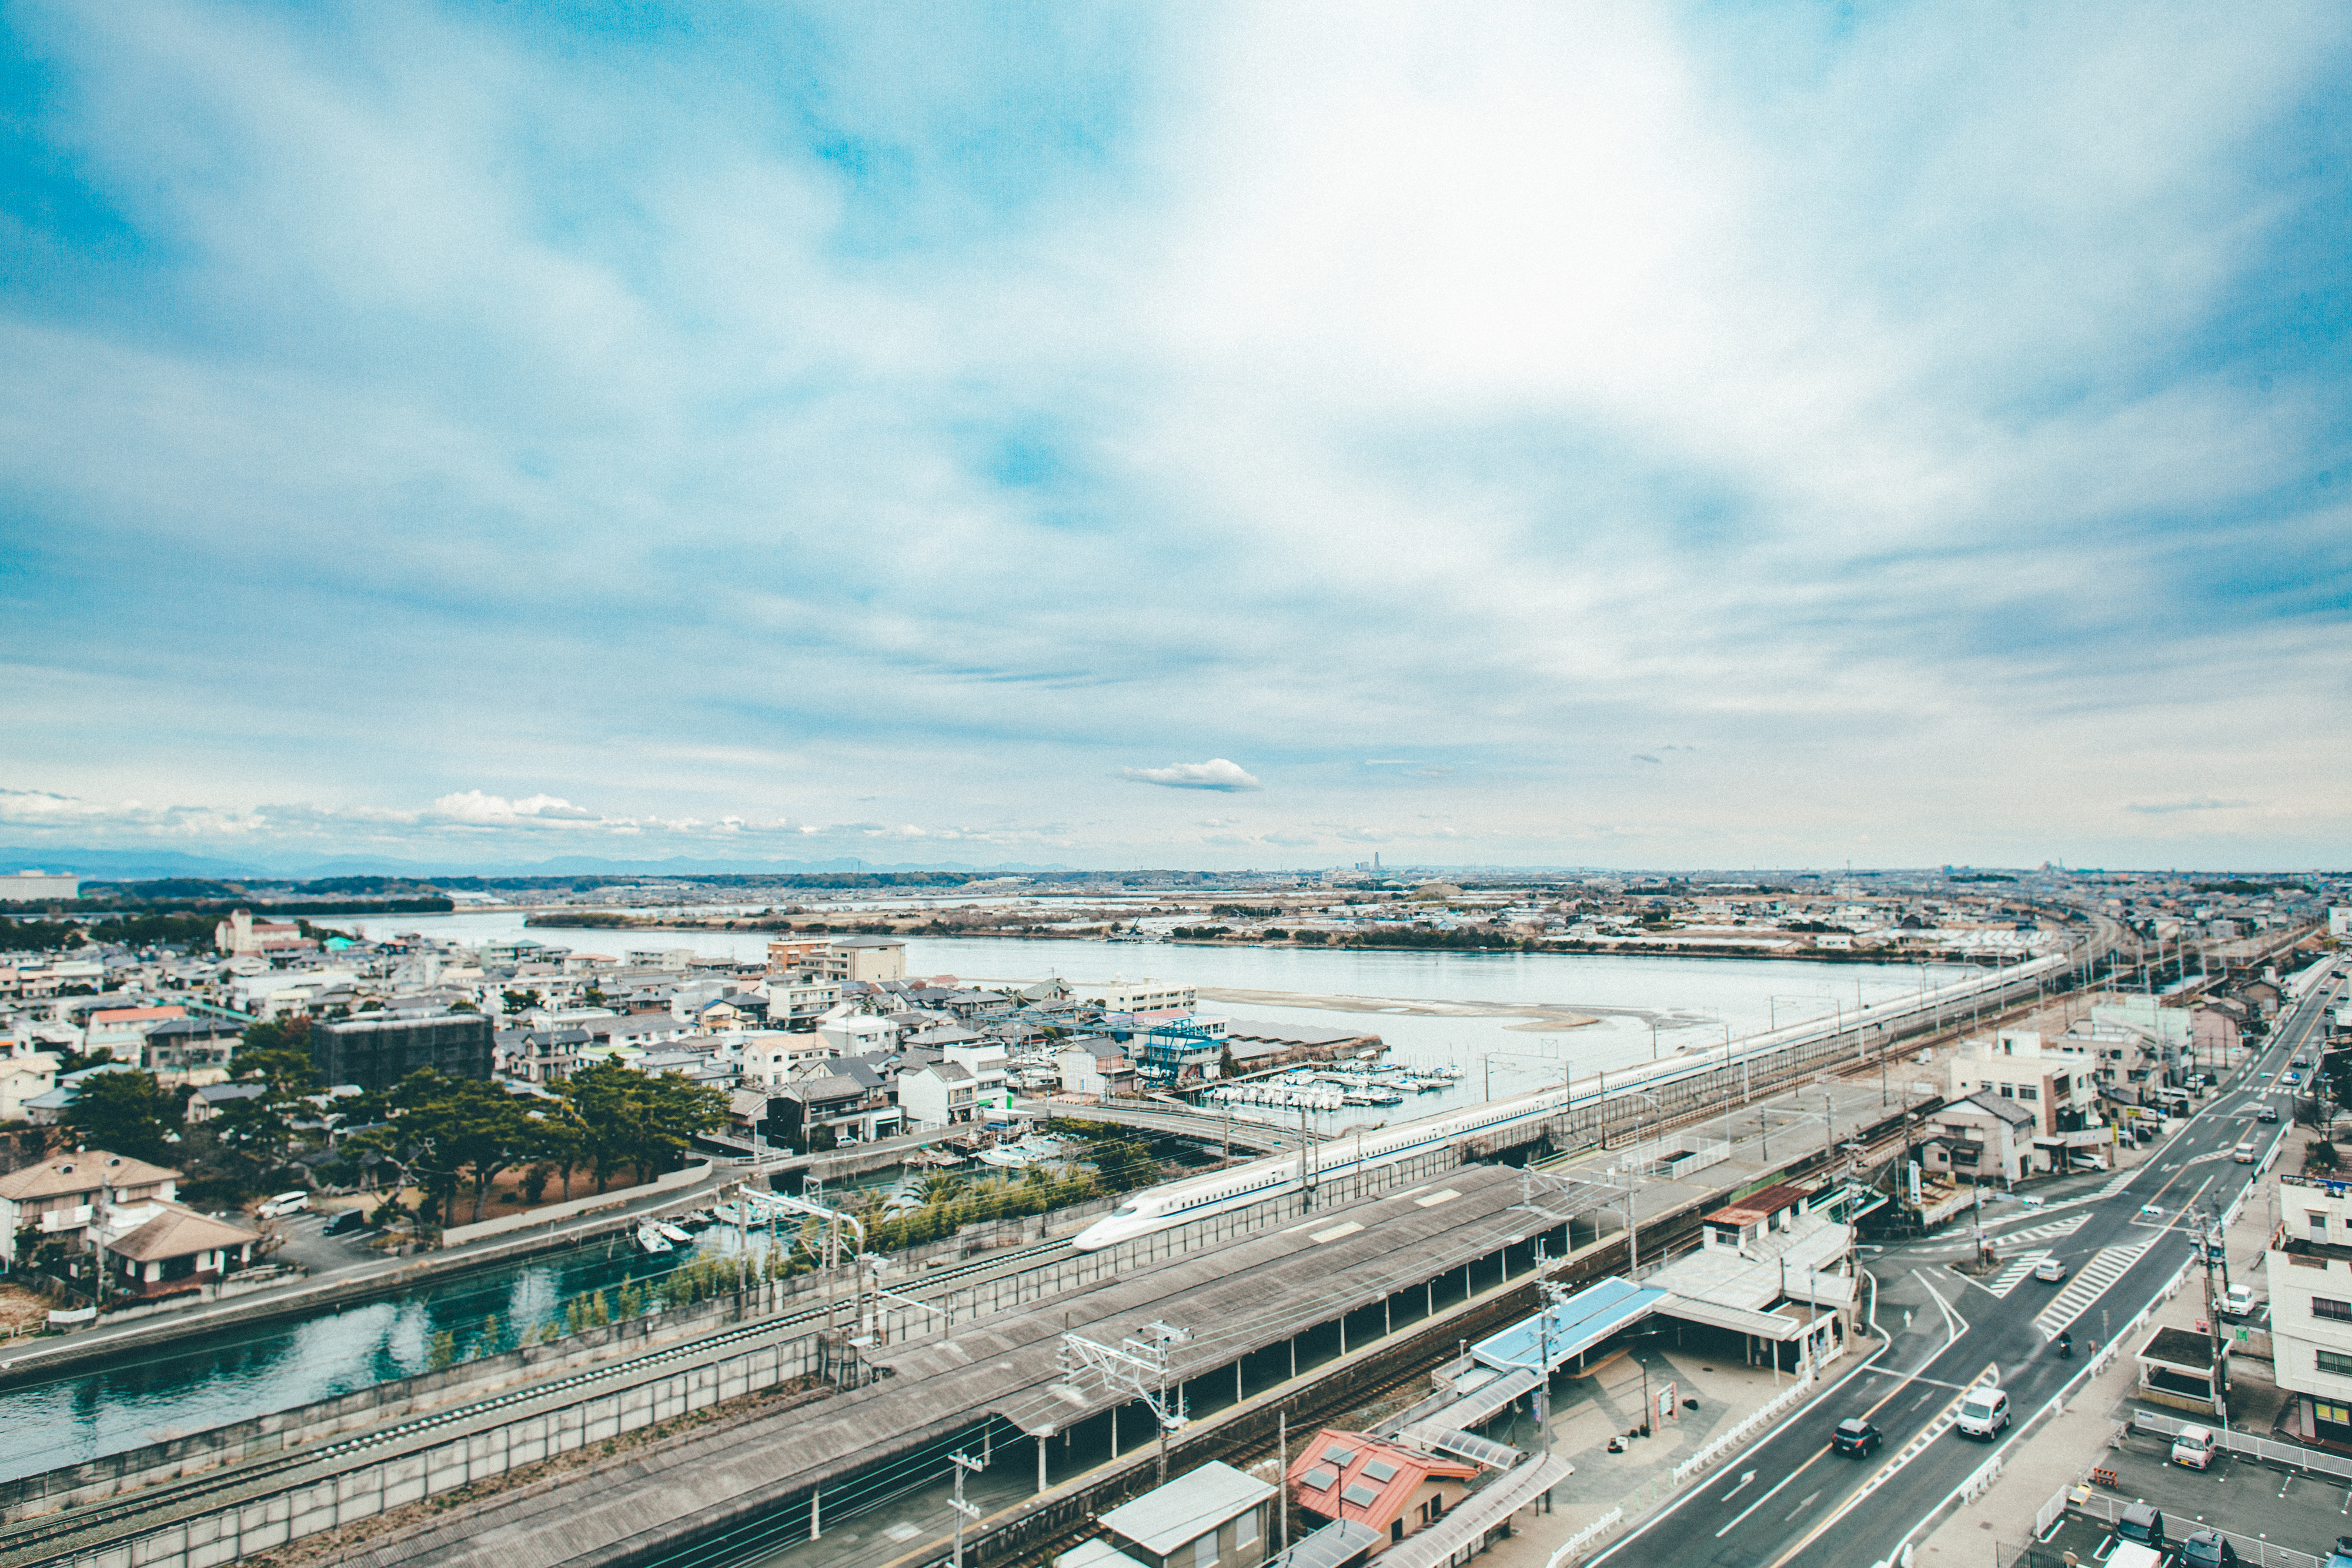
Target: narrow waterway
213, 1379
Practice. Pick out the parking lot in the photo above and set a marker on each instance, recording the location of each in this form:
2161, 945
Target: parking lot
2278, 1508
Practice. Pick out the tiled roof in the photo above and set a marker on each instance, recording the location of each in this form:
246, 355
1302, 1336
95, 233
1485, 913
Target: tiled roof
175, 1233
82, 1171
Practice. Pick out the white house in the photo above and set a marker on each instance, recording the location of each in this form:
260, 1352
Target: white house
858, 1034
938, 1095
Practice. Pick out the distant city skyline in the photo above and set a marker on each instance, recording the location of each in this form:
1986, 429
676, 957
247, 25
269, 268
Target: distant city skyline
1620, 435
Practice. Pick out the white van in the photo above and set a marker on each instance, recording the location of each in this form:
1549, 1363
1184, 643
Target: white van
2130, 1554
284, 1204
2239, 1302
2243, 1153
1983, 1413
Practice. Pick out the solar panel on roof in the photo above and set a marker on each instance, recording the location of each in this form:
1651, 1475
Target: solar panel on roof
1339, 1456
1380, 1470
1361, 1496
1318, 1477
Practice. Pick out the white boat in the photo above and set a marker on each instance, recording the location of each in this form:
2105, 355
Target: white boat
650, 1239
732, 1214
673, 1232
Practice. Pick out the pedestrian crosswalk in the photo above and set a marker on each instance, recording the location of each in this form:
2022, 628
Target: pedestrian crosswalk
2066, 1227
2089, 1283
2002, 1283
2116, 1185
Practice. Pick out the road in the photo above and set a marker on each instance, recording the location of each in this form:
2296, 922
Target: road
1790, 1496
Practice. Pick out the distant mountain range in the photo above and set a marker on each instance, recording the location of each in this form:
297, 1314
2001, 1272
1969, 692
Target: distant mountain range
140, 865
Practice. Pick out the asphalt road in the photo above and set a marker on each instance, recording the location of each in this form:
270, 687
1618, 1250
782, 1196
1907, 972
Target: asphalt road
1789, 1496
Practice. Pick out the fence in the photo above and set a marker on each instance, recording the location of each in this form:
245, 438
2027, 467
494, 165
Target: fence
1572, 1549
2309, 1460
1745, 1430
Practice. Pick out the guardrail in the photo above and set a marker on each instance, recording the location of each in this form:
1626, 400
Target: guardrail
2309, 1460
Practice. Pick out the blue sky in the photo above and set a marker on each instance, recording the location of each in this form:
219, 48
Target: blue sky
1659, 435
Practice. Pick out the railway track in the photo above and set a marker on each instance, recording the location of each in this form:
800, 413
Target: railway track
17, 1540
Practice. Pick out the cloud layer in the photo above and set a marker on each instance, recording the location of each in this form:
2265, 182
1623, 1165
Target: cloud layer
1654, 435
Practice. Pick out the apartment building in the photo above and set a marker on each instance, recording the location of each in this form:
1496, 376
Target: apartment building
2309, 1269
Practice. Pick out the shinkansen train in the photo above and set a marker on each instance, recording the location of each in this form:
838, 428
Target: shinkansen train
1181, 1202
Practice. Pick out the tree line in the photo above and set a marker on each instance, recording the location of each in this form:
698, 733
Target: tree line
450, 1139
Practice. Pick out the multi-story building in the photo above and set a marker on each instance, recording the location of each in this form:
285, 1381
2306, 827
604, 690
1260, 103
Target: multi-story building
2055, 1081
869, 960
2308, 1269
377, 1051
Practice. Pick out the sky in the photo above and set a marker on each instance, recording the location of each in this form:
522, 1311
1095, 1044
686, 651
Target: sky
1616, 435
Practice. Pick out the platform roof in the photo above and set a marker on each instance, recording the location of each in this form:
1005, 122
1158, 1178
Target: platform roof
1569, 1328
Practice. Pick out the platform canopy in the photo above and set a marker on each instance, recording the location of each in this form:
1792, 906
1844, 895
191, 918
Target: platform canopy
1543, 1342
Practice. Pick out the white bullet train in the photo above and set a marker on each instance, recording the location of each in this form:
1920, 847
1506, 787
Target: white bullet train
1181, 1202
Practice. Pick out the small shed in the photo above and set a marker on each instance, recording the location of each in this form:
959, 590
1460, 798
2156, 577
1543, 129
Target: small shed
1214, 1517
2179, 1368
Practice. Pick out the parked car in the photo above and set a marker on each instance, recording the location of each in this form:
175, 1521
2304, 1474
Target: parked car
2207, 1549
2050, 1271
1857, 1437
2267, 1114
1983, 1414
2142, 1525
349, 1222
2194, 1447
2342, 1556
284, 1204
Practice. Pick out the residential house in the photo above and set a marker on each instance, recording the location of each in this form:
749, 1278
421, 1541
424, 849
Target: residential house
1393, 1490
1982, 1137
855, 1034
121, 1033
938, 1095
1096, 1068
24, 1078
58, 1199
211, 1098
179, 1049
160, 1247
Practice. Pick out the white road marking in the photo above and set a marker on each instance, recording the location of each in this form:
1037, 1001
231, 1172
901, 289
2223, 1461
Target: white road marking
2087, 1286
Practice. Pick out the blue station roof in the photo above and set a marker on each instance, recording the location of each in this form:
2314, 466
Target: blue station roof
1572, 1327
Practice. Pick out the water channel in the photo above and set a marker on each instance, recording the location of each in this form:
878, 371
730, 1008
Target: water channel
211, 1379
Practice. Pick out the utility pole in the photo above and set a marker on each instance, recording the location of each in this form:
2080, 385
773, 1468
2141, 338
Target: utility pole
964, 1510
1282, 1441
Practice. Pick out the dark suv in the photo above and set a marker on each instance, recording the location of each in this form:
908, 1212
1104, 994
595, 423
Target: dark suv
2207, 1549
1857, 1437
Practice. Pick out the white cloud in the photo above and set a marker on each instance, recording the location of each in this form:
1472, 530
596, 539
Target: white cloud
474, 806
1217, 773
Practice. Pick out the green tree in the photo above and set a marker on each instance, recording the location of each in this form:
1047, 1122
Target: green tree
464, 1132
640, 1120
124, 1114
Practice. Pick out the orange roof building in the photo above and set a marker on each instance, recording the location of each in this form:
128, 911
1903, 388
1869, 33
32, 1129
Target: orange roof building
1395, 1490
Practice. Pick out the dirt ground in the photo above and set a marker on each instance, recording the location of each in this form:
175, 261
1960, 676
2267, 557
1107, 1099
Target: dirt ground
22, 1311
